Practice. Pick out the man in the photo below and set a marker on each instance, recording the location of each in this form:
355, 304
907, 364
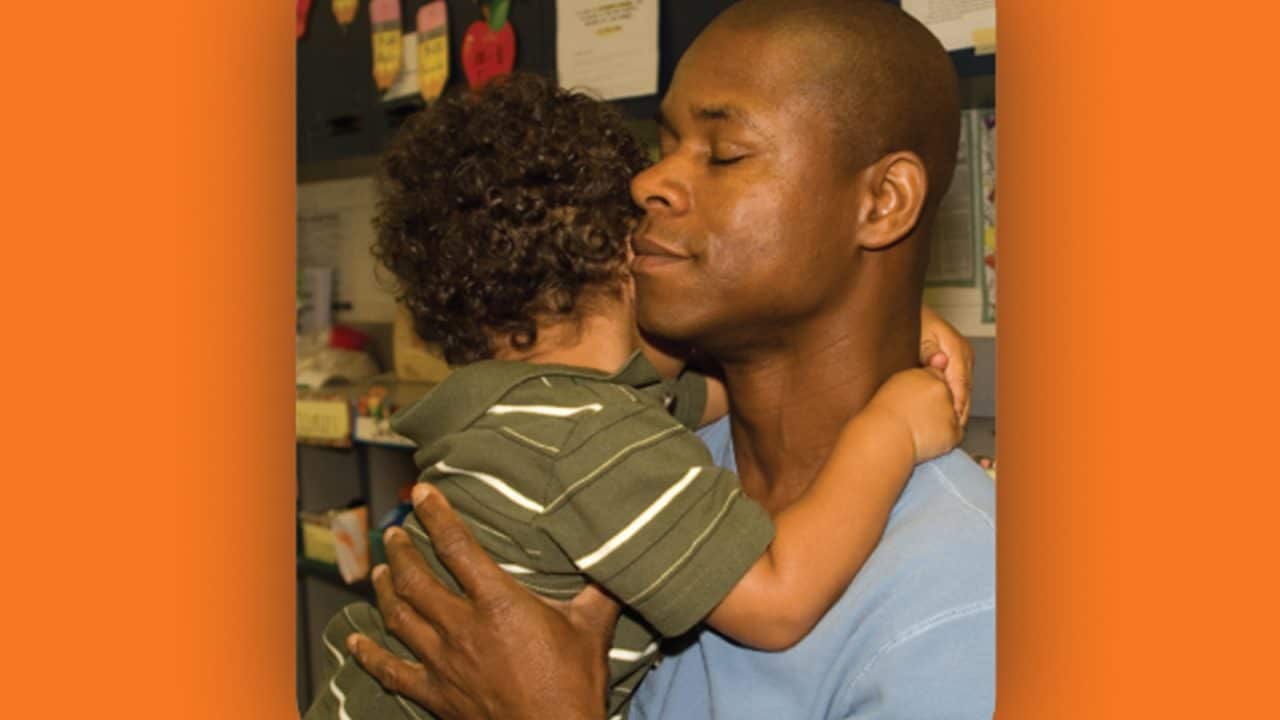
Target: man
806, 145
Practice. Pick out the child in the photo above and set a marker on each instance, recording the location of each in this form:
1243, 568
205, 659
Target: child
505, 220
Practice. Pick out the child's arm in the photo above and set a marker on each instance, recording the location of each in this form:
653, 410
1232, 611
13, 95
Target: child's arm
943, 347
823, 539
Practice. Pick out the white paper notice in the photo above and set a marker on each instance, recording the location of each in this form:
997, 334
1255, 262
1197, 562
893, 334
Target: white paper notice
961, 279
952, 248
959, 24
608, 48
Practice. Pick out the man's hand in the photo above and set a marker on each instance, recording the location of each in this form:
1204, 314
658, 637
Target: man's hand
499, 651
944, 348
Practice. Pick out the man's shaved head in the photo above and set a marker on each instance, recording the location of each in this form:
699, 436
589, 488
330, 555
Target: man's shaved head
805, 147
885, 80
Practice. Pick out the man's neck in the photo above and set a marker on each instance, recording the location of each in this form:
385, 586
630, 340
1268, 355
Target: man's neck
790, 402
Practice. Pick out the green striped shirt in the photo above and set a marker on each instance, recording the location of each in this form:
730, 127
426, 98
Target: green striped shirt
567, 475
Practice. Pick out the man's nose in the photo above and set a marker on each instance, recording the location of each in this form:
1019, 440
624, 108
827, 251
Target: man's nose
660, 188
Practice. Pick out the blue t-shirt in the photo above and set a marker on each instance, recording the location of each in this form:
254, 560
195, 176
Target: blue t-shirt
913, 637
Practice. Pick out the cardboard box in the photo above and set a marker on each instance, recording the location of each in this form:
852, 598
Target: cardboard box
338, 537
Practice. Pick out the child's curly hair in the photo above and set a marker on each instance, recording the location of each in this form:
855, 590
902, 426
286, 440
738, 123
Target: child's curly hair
501, 209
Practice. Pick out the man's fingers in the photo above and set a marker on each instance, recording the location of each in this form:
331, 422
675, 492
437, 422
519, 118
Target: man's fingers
475, 571
414, 581
419, 634
592, 611
595, 610
392, 672
397, 675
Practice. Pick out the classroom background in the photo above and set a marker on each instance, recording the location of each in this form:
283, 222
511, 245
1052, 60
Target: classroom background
363, 67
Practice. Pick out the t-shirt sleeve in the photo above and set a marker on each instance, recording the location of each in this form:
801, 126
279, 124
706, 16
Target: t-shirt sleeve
688, 397
644, 513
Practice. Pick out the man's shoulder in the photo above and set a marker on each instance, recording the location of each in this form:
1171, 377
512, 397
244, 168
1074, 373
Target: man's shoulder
913, 632
926, 597
947, 494
934, 566
939, 545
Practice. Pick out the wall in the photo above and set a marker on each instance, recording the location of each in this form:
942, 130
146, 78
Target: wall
335, 229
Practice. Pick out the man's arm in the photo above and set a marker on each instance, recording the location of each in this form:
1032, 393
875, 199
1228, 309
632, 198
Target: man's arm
499, 651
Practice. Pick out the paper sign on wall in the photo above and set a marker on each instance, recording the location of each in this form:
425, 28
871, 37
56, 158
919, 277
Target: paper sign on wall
961, 279
384, 15
345, 11
959, 24
986, 127
608, 47
433, 49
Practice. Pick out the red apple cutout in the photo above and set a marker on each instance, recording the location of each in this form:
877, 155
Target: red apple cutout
303, 7
487, 54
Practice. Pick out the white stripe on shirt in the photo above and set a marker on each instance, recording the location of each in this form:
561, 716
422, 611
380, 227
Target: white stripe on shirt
342, 698
333, 681
493, 482
549, 410
641, 520
573, 487
336, 655
623, 655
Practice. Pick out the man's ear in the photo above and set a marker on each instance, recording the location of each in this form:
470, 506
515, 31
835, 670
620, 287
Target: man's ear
895, 189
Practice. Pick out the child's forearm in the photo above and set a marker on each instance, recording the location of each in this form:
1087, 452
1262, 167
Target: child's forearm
823, 539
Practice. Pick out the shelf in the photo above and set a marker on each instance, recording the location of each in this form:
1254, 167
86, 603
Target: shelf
329, 573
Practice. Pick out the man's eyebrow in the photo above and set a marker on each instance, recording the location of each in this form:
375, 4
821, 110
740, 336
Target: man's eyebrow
724, 113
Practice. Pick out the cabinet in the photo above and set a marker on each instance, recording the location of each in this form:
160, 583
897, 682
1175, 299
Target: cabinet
330, 477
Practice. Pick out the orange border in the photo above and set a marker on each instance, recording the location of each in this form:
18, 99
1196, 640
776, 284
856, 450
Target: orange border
148, 301
239, 480
151, 480
1136, 401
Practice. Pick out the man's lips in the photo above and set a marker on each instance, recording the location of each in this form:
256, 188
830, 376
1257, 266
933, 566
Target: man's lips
651, 254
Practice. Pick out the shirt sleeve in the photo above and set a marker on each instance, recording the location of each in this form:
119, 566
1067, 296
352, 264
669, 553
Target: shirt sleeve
688, 397
945, 671
643, 512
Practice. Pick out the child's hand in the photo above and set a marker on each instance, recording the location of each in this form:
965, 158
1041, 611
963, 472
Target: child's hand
944, 348
921, 402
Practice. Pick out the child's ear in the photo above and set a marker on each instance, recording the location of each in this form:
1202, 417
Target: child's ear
894, 191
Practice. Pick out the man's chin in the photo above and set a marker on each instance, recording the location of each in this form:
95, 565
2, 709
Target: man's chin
664, 326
